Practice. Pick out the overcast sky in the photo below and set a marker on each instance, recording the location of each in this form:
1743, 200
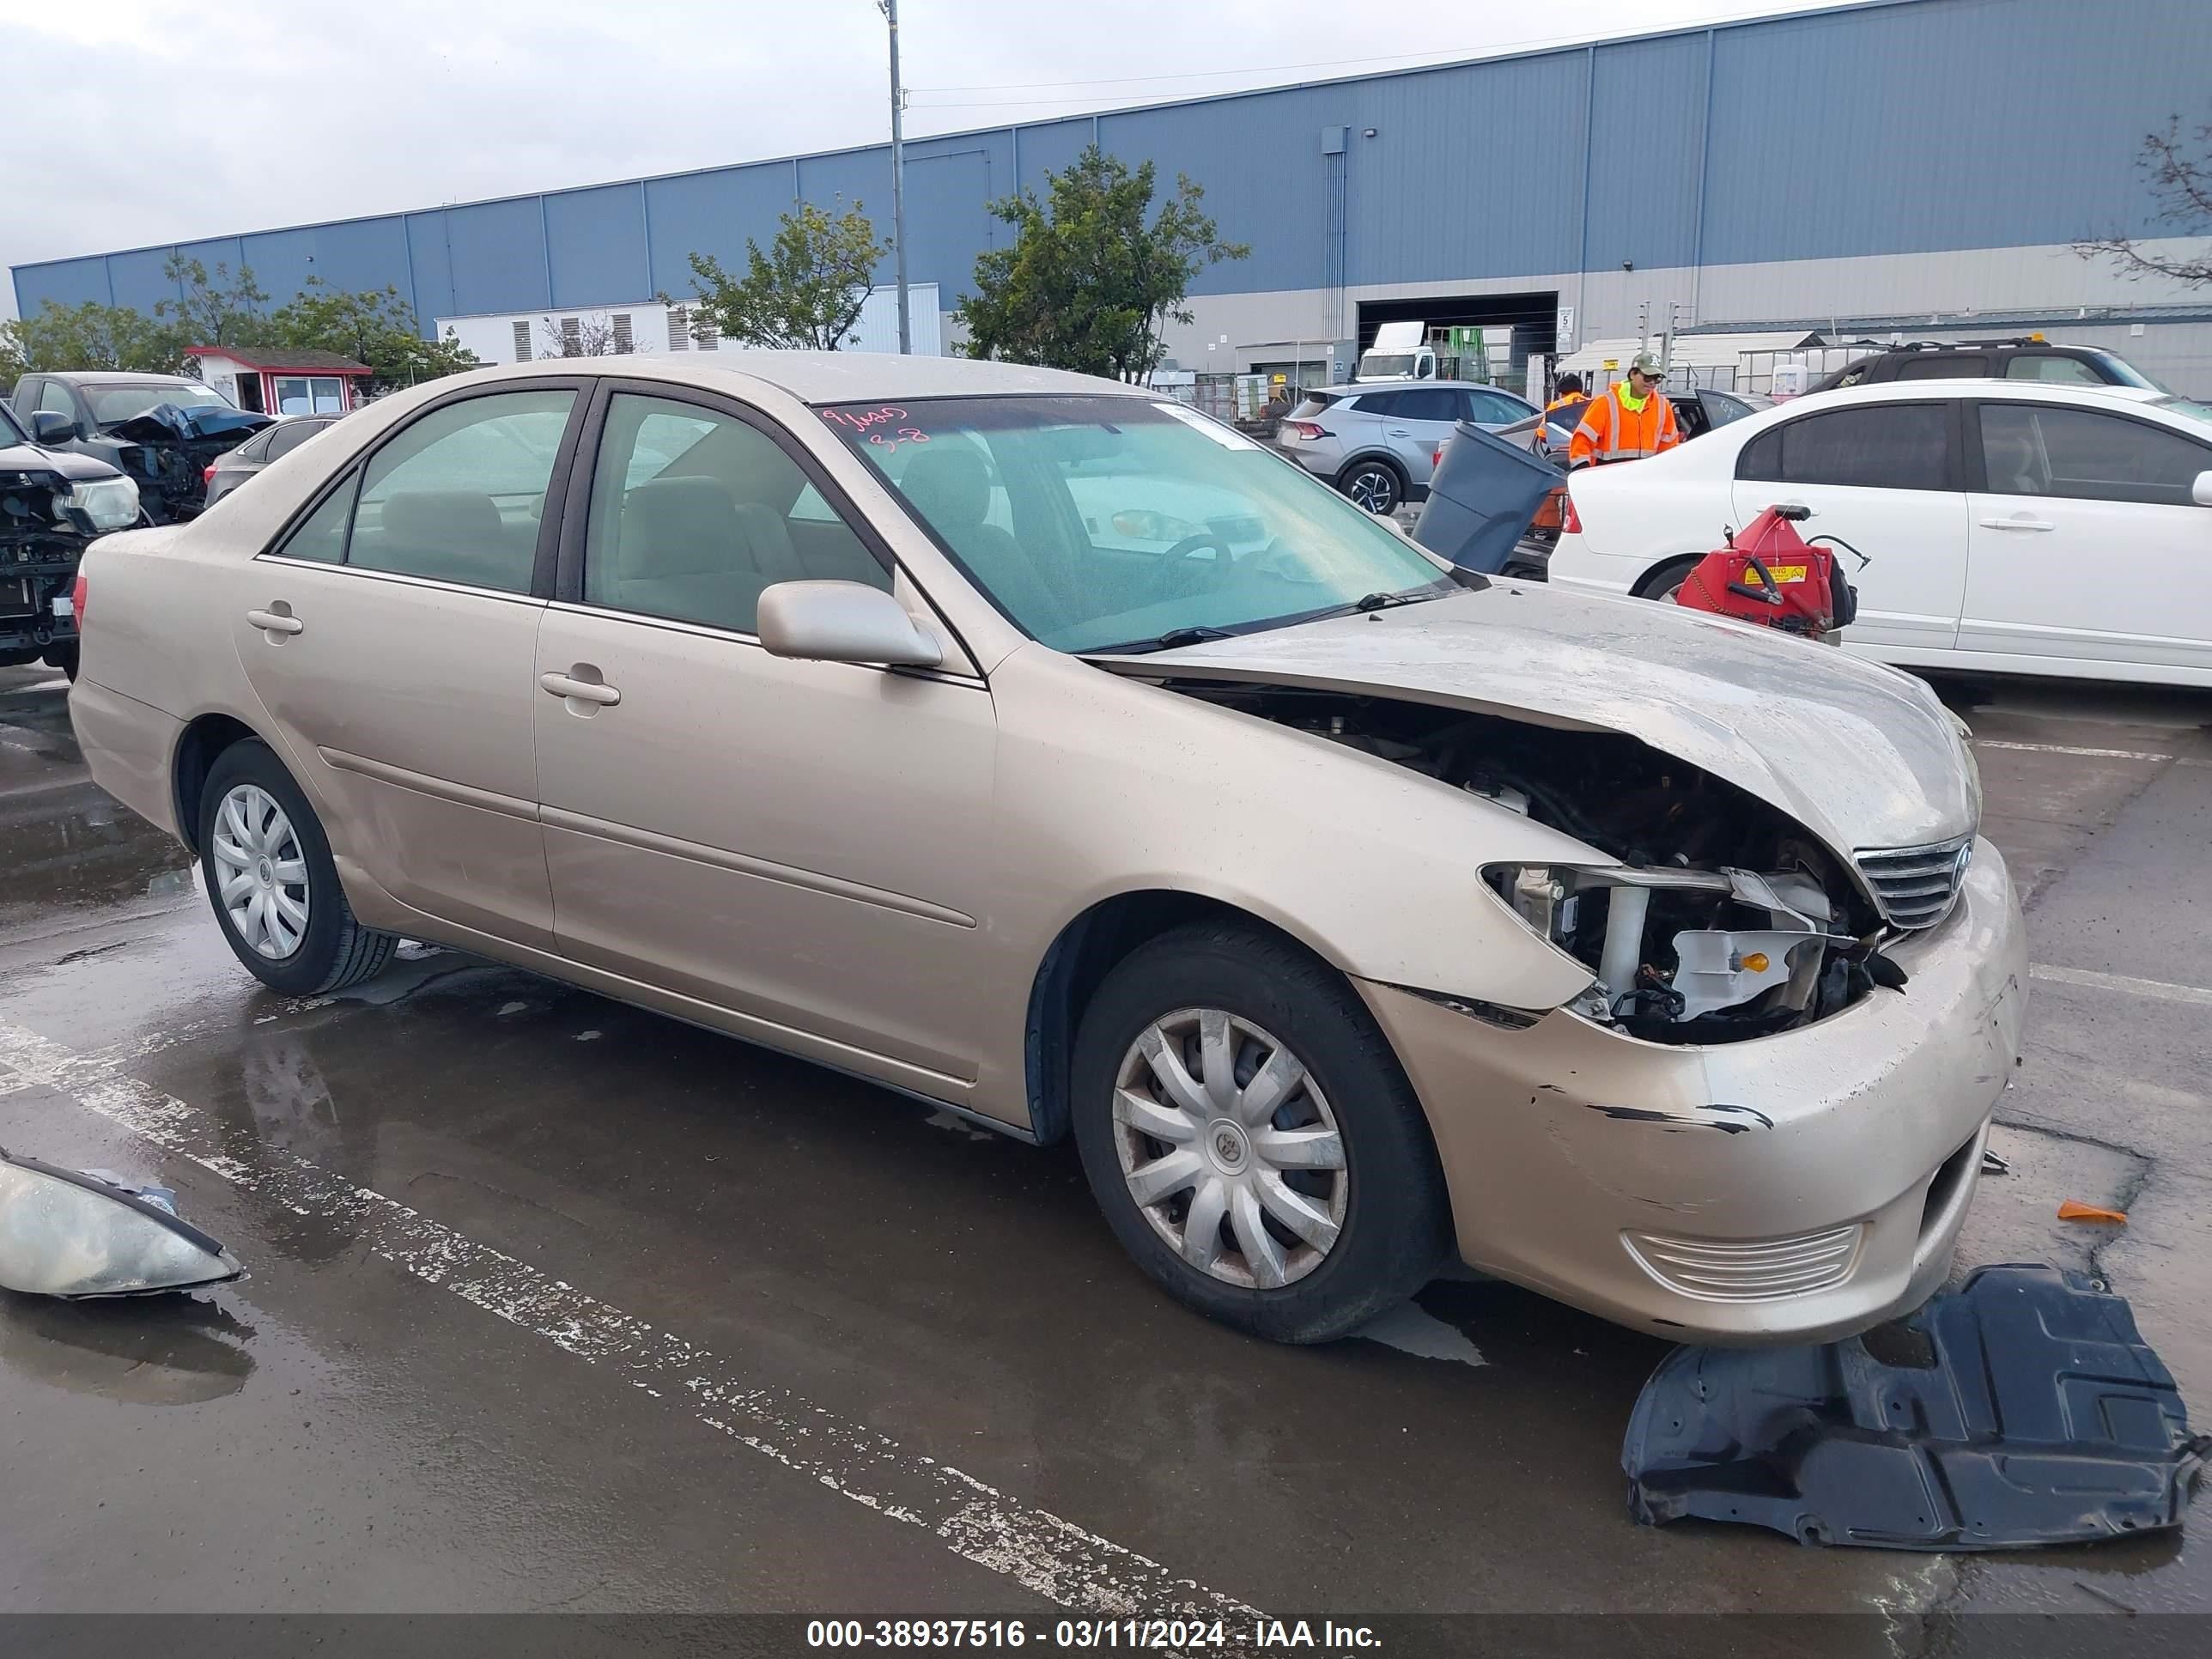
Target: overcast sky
150, 121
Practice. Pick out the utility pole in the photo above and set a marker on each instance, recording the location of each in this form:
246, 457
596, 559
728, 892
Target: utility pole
890, 9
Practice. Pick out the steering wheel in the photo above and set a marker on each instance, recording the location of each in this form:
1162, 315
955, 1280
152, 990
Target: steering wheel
1182, 574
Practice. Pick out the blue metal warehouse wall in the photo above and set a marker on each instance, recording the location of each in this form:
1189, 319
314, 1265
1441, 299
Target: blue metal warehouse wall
1900, 126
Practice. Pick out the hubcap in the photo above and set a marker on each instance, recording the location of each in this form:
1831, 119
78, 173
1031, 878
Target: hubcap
1230, 1149
261, 874
1374, 489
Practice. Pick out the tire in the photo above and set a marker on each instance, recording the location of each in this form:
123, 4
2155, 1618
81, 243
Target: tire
1662, 583
1386, 1197
1376, 486
64, 657
333, 950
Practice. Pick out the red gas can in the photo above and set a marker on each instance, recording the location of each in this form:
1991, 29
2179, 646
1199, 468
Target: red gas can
1771, 576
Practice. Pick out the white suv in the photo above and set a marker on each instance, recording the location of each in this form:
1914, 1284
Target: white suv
2013, 527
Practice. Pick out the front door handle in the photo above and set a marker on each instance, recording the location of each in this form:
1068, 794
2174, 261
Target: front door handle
1398, 432
564, 685
274, 621
2018, 524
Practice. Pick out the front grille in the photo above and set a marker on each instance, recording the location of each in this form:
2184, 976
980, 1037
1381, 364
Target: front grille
1917, 886
1748, 1270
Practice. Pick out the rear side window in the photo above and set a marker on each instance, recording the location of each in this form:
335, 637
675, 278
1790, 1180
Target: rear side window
1428, 403
281, 441
2068, 371
2029, 450
1880, 446
321, 536
458, 495
1944, 366
1377, 403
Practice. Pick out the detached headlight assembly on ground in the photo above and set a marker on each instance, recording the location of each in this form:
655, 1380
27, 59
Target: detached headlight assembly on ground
103, 503
76, 1233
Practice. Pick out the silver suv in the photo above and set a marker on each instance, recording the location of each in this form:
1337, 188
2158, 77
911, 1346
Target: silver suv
1377, 441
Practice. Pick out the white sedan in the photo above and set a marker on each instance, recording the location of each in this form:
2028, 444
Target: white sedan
2005, 527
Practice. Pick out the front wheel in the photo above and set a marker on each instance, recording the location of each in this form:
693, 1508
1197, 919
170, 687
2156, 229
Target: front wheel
1374, 485
1251, 1138
270, 877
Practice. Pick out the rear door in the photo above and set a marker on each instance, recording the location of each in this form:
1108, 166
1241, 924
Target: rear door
1884, 477
2087, 544
1422, 421
392, 636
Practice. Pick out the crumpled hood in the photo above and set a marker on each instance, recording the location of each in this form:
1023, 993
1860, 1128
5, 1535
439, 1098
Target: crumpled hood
1860, 755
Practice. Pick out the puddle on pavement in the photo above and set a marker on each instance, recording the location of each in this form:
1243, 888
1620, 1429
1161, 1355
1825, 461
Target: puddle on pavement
76, 849
143, 1351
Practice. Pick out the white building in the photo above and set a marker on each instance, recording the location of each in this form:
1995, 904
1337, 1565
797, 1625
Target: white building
648, 325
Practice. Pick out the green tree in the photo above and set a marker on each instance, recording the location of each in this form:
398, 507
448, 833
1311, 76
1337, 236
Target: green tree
89, 336
374, 326
2179, 169
804, 294
1088, 284
220, 311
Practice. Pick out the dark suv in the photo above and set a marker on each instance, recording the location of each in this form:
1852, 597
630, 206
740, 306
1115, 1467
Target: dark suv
2025, 359
164, 431
51, 505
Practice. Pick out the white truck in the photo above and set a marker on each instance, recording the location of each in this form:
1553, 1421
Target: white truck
1401, 352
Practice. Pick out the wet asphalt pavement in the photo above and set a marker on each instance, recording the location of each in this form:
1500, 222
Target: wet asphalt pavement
558, 1305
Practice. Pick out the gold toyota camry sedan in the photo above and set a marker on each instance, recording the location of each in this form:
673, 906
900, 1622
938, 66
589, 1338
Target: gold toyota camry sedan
1040, 747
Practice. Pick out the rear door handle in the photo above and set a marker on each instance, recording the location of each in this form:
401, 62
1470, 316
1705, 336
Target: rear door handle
274, 621
2018, 524
1398, 432
562, 685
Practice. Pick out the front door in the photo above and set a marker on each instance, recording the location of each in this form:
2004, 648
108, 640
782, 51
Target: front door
1883, 477
392, 638
2087, 542
795, 842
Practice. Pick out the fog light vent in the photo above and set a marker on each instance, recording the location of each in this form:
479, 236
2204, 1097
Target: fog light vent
1748, 1270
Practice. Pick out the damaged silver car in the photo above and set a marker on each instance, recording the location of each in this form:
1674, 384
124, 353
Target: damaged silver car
1038, 746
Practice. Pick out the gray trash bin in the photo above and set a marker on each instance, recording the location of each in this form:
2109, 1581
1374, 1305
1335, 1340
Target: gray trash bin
1484, 495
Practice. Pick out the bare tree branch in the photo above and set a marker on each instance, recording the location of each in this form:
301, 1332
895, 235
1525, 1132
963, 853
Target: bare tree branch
2180, 174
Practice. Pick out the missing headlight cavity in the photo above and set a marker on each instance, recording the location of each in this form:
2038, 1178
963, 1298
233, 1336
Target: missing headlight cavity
1723, 920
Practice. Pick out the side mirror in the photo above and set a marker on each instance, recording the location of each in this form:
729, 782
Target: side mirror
51, 426
843, 622
2200, 491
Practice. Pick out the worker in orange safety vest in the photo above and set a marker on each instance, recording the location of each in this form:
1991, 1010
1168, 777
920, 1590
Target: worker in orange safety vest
1633, 420
1564, 412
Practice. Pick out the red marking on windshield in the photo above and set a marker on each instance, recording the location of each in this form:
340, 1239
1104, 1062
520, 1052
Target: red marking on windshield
859, 420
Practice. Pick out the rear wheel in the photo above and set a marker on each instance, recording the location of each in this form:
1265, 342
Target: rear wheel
1251, 1138
1375, 485
1665, 581
271, 882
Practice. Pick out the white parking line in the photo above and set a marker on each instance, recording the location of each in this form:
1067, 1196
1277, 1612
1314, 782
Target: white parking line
1034, 1547
2157, 989
2070, 748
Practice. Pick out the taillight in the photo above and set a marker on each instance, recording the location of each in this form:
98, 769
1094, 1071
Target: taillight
77, 600
1571, 522
1436, 457
207, 473
1305, 430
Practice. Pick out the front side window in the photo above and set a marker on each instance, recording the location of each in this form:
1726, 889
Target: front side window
1118, 522
1494, 409
1878, 446
54, 399
457, 496
2030, 450
694, 514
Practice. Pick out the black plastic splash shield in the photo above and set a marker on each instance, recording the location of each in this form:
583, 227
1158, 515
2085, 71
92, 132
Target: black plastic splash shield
2025, 1409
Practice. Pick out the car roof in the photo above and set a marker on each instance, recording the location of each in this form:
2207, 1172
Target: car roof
837, 377
1976, 385
1351, 386
117, 377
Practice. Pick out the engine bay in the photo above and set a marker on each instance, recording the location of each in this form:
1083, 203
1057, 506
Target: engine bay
1722, 921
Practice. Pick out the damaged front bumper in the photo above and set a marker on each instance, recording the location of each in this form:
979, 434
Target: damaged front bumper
1799, 1187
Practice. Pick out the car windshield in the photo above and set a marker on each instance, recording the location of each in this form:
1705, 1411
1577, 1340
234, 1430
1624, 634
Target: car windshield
1386, 366
111, 405
2188, 408
2125, 372
1095, 522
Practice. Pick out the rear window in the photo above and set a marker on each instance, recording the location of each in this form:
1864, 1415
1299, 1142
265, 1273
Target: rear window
1880, 446
1317, 403
1943, 366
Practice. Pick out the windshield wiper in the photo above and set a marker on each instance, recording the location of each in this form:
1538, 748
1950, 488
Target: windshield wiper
1167, 641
